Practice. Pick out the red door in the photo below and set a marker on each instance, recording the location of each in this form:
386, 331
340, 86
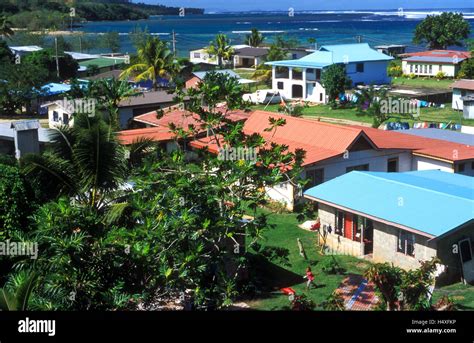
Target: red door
348, 225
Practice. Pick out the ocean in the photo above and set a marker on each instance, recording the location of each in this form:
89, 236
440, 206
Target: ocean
327, 27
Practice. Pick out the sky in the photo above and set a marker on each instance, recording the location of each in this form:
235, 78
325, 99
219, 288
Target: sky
246, 5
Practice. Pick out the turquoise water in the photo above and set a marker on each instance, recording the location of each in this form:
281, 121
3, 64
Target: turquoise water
374, 27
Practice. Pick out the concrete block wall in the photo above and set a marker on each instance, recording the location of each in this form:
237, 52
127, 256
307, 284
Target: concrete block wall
385, 248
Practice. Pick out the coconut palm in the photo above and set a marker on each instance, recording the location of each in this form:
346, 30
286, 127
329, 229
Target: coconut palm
155, 60
5, 27
16, 294
85, 162
112, 92
221, 48
255, 38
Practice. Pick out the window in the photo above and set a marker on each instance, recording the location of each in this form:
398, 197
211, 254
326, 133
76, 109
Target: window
321, 99
392, 165
406, 243
362, 167
425, 69
318, 74
297, 91
411, 68
315, 176
416, 68
55, 116
339, 223
309, 71
360, 67
280, 85
197, 55
440, 67
294, 56
461, 167
65, 119
472, 165
431, 68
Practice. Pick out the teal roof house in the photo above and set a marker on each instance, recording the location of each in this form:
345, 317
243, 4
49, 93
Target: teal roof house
401, 218
300, 78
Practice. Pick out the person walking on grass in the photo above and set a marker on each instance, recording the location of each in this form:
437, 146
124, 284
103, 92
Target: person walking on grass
309, 275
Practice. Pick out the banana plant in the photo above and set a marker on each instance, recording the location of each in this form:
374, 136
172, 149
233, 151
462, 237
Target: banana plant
16, 294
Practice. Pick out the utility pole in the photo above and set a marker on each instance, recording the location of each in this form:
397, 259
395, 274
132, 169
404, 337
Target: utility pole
174, 43
57, 59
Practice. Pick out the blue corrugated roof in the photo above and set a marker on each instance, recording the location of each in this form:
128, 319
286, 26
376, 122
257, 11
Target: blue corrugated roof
435, 59
445, 135
55, 88
430, 201
330, 54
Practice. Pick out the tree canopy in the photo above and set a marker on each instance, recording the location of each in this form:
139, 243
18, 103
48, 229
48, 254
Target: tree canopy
441, 31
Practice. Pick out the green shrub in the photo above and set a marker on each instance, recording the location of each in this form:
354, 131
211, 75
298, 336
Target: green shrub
16, 201
331, 266
440, 75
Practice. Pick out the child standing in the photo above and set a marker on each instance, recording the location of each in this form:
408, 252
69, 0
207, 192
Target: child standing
309, 275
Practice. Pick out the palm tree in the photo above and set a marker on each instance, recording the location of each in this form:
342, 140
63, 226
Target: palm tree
16, 294
112, 92
85, 162
255, 38
155, 60
5, 27
221, 48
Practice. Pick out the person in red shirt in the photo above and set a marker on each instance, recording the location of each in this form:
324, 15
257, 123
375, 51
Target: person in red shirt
309, 275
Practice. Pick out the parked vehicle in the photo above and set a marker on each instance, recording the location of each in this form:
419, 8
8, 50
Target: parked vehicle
263, 96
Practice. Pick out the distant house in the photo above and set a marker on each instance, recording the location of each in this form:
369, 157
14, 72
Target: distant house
59, 115
202, 57
103, 64
391, 49
22, 137
468, 106
400, 218
301, 78
429, 63
249, 57
333, 150
461, 88
25, 49
198, 76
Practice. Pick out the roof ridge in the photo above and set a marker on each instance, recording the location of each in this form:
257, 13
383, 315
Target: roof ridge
371, 174
345, 127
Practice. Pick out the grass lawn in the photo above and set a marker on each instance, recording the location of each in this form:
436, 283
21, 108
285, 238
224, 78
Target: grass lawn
280, 273
422, 82
428, 114
462, 295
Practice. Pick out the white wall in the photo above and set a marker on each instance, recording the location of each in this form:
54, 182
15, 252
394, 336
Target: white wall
51, 122
423, 163
375, 72
377, 161
449, 69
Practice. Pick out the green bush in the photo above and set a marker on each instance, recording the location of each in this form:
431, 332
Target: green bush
16, 201
331, 266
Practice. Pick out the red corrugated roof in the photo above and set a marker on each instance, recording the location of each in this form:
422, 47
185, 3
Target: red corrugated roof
437, 148
160, 130
440, 53
158, 134
464, 84
320, 140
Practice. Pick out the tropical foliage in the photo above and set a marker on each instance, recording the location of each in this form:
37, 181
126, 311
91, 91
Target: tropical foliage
154, 60
255, 38
441, 31
221, 48
334, 80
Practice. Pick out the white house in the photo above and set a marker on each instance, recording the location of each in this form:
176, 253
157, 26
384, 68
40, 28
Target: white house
461, 88
430, 63
301, 78
201, 56
333, 150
